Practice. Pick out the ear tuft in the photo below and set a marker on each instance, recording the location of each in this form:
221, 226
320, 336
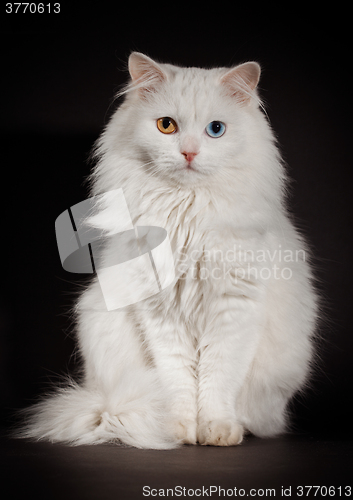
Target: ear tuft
242, 80
145, 73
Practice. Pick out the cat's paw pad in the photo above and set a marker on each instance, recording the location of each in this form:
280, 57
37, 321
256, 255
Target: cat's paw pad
185, 431
220, 433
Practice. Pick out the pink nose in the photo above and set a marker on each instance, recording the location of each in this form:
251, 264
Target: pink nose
189, 156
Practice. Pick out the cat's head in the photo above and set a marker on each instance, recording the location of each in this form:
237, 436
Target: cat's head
189, 125
190, 128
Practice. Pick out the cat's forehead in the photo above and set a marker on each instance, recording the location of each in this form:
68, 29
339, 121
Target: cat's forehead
192, 90
190, 79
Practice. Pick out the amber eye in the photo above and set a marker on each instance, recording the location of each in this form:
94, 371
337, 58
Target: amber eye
166, 125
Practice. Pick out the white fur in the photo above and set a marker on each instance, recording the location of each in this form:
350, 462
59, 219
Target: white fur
206, 358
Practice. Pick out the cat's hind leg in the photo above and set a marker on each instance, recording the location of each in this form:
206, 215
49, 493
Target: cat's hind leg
283, 359
120, 398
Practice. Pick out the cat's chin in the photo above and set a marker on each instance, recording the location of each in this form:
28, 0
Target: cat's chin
188, 177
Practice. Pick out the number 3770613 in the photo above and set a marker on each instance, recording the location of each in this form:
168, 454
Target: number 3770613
32, 8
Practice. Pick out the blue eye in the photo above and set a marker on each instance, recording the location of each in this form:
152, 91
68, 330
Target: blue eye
215, 129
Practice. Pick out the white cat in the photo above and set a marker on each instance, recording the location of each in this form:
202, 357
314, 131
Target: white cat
223, 349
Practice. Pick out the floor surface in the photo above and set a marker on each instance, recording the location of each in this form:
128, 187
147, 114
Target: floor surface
280, 467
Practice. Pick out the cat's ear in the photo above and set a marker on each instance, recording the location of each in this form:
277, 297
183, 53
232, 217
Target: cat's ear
145, 73
242, 80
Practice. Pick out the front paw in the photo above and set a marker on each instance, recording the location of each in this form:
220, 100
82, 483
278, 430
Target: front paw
220, 433
185, 431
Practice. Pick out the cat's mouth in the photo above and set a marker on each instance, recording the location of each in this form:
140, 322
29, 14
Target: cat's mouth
188, 172
190, 167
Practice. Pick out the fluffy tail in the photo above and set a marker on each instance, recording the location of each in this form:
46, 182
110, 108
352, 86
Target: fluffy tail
135, 414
